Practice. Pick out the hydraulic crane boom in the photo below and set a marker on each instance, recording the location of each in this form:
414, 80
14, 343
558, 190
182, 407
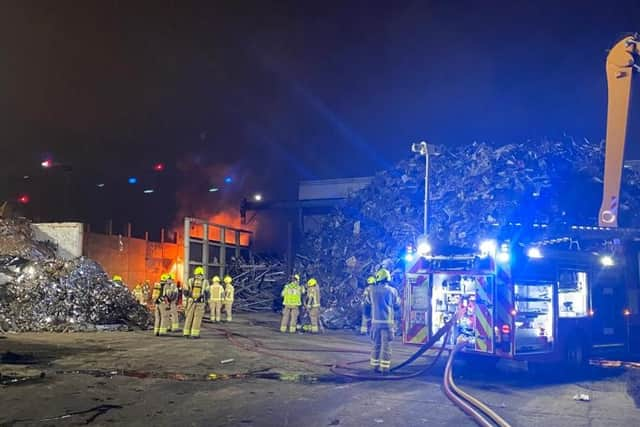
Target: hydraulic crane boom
622, 63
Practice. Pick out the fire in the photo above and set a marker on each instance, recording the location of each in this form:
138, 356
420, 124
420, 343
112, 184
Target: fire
228, 218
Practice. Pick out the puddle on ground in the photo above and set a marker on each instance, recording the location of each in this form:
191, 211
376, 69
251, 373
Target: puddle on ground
8, 380
262, 374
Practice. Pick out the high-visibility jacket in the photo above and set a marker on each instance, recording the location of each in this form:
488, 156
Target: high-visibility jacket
313, 296
229, 292
197, 288
164, 291
292, 294
380, 303
137, 292
216, 292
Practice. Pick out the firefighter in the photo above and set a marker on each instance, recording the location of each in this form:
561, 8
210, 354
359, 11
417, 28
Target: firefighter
161, 306
380, 304
229, 292
196, 292
117, 280
173, 306
137, 293
292, 300
146, 290
313, 304
216, 298
364, 325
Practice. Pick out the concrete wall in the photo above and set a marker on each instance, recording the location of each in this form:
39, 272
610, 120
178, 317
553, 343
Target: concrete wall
331, 188
67, 235
134, 259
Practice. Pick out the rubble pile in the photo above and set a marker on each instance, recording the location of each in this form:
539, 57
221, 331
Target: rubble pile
39, 292
475, 192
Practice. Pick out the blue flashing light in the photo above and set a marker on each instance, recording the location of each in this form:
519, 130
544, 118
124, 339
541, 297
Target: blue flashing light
503, 257
228, 180
534, 253
132, 180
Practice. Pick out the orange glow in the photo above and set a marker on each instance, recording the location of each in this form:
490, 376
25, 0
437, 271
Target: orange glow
226, 218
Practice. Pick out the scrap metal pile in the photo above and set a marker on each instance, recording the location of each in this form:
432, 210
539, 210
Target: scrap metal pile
257, 283
476, 191
39, 292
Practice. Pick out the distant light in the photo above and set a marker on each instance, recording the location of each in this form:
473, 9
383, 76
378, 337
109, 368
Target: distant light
534, 253
158, 167
424, 248
488, 247
46, 163
408, 257
607, 261
213, 189
257, 197
148, 191
503, 256
24, 199
100, 185
228, 180
132, 180
591, 312
26, 177
626, 312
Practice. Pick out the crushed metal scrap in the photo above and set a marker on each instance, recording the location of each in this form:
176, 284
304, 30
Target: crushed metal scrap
476, 191
39, 292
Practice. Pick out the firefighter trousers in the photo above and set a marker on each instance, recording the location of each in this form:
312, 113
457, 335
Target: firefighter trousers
161, 323
216, 310
228, 306
289, 316
381, 353
364, 324
173, 313
193, 320
314, 317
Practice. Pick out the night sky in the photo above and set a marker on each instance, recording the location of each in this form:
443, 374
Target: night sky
273, 92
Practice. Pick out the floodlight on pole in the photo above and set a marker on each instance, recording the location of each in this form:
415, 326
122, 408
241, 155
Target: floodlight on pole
423, 148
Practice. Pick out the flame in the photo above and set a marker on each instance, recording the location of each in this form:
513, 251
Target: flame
228, 218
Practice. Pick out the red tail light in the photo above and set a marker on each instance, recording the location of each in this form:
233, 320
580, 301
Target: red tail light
506, 329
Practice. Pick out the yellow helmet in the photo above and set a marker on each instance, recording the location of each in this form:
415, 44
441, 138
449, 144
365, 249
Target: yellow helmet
296, 276
164, 277
312, 282
371, 280
199, 271
227, 279
117, 278
216, 279
383, 275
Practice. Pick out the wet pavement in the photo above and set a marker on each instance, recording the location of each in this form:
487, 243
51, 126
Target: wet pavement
131, 378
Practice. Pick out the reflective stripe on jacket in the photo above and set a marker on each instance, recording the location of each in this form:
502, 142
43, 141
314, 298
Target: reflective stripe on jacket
313, 296
217, 292
197, 288
229, 292
381, 301
292, 294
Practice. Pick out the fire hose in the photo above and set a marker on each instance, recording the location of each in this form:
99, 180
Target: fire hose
477, 410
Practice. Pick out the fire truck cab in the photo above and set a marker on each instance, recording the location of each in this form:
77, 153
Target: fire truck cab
537, 304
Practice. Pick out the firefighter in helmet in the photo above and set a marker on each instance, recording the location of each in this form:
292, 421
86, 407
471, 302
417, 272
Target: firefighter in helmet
313, 304
216, 299
292, 300
160, 299
196, 292
380, 304
229, 292
364, 325
173, 305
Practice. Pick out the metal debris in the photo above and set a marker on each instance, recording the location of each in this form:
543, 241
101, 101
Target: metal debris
476, 191
40, 292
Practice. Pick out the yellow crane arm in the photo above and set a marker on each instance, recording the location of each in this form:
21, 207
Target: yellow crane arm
621, 64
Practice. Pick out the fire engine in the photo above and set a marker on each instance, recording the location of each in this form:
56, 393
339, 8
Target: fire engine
536, 302
568, 296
